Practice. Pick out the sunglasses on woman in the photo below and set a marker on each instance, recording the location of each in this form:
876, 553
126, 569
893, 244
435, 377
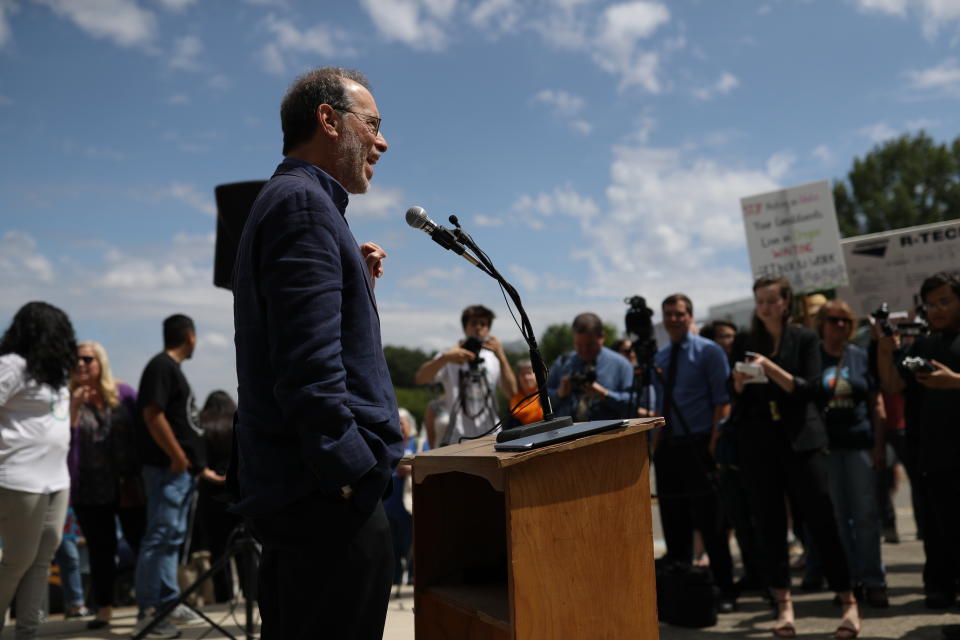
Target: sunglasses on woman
86, 359
839, 320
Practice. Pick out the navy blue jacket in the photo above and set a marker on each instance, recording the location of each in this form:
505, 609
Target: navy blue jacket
317, 409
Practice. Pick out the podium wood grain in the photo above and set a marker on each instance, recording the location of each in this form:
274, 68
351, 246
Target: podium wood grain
552, 543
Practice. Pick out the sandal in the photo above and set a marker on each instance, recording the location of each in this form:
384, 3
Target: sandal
846, 630
784, 628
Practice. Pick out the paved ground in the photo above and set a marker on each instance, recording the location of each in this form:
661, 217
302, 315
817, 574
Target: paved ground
816, 617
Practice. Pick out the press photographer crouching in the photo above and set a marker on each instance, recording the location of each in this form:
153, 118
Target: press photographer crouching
928, 372
591, 382
470, 372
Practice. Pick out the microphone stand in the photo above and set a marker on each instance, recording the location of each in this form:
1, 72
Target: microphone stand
550, 420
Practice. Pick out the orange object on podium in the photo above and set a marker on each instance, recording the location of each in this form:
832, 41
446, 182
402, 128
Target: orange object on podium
551, 543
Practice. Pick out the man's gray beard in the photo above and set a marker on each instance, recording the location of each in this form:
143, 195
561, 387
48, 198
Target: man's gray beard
352, 163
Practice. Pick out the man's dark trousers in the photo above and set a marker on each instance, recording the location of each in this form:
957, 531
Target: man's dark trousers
326, 571
688, 500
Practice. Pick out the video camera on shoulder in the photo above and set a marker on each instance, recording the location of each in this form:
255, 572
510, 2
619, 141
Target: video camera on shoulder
584, 377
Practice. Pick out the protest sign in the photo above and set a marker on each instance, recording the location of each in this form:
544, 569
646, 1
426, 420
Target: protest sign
793, 233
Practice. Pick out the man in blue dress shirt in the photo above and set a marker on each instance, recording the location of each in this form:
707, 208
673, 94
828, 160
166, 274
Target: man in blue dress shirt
318, 431
591, 382
691, 383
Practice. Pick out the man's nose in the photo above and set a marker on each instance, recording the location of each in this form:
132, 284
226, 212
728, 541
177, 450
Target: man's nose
380, 142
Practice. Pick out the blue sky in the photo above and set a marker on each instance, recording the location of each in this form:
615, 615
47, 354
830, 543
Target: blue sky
596, 150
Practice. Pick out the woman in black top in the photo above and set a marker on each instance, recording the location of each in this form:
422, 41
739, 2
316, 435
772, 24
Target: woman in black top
782, 442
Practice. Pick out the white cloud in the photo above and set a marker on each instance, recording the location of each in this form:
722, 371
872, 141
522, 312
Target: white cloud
189, 194
430, 277
6, 33
943, 77
779, 164
878, 132
487, 221
5, 101
21, 262
378, 202
185, 53
922, 123
726, 83
175, 5
562, 201
420, 24
822, 152
320, 40
178, 98
565, 107
670, 218
500, 15
122, 21
933, 14
616, 48
220, 81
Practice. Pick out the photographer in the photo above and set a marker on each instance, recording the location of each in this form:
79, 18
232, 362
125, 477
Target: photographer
470, 373
929, 374
591, 382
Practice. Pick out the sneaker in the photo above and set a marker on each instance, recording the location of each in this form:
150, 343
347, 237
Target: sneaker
890, 535
163, 629
184, 616
79, 612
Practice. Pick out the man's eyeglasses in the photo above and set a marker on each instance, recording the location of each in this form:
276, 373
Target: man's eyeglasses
942, 303
372, 121
86, 359
839, 320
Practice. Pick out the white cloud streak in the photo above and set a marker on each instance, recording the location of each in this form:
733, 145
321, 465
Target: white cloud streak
726, 83
185, 52
290, 40
121, 21
419, 24
932, 14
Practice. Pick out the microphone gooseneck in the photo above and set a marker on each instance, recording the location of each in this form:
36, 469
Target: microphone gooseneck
418, 219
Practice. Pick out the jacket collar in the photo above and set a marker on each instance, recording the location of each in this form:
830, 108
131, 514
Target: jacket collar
302, 168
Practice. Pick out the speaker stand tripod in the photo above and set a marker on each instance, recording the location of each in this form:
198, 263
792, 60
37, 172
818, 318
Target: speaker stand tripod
247, 553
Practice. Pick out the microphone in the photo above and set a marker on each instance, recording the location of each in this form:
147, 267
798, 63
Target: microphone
418, 219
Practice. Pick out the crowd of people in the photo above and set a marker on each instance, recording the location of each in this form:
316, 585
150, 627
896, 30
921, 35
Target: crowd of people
785, 432
127, 465
779, 423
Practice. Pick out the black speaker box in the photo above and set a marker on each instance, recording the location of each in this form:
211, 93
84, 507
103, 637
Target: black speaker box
234, 201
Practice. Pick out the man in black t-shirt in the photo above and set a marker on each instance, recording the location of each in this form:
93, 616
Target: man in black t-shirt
172, 451
932, 386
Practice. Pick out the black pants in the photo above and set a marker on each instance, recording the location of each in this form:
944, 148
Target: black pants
688, 501
214, 525
735, 501
773, 472
325, 572
940, 497
99, 527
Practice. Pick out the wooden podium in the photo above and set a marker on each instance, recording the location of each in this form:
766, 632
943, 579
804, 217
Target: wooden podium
549, 544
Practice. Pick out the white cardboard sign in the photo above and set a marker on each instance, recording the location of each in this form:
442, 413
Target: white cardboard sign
793, 233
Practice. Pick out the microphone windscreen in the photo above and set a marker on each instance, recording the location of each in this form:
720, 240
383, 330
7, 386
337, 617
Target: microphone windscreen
417, 217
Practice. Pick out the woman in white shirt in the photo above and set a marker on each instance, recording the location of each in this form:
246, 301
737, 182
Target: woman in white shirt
37, 354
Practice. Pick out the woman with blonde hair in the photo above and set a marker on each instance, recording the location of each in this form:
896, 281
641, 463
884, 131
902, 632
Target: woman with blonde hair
854, 417
105, 469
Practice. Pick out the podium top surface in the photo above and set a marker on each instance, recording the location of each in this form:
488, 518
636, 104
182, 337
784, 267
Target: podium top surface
478, 457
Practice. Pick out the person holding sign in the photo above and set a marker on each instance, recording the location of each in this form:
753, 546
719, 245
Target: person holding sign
782, 443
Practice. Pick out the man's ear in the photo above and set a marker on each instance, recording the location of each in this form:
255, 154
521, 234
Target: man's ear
328, 120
